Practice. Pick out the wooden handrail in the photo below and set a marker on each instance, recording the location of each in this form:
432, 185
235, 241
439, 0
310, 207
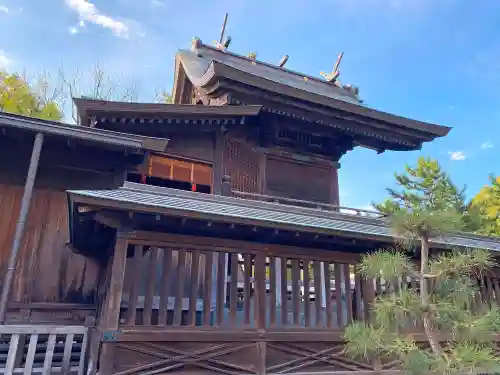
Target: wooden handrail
304, 203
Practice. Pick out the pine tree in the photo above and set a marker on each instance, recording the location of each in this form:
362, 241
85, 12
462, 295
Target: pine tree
427, 187
458, 334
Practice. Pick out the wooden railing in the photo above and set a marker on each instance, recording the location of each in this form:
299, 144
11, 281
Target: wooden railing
28, 349
250, 288
306, 204
255, 288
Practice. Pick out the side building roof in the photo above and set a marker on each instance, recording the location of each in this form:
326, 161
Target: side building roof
100, 136
159, 200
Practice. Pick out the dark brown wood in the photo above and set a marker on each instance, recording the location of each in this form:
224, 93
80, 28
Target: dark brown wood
247, 286
272, 290
233, 289
221, 280
260, 290
136, 277
307, 296
296, 291
207, 296
338, 293
164, 287
284, 291
328, 295
194, 287
111, 312
179, 293
318, 295
149, 290
348, 292
233, 246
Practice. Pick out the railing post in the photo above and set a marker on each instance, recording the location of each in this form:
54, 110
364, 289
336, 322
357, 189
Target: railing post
226, 186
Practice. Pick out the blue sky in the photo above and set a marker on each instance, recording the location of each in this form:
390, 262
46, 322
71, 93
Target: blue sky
436, 61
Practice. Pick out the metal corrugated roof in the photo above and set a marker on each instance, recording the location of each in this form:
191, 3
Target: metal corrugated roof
197, 65
145, 198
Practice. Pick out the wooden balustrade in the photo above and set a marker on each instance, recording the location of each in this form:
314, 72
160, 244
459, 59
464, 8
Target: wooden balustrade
189, 287
256, 289
26, 349
305, 204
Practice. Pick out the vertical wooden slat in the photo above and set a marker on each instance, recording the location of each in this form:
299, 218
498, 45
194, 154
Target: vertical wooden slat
260, 290
233, 290
83, 354
359, 294
489, 291
318, 292
348, 291
247, 289
149, 289
328, 295
221, 279
272, 291
195, 265
68, 346
284, 291
164, 287
207, 293
30, 356
368, 290
181, 271
47, 363
296, 291
11, 355
338, 294
496, 286
307, 296
136, 274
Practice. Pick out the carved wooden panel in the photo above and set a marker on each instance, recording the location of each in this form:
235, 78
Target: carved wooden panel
292, 179
241, 163
236, 358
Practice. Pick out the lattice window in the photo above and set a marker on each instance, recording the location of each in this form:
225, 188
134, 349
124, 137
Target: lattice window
241, 163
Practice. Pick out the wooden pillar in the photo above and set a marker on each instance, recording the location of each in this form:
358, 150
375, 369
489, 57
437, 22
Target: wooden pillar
219, 145
334, 184
111, 309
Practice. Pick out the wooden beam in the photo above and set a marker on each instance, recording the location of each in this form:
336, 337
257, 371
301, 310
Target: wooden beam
231, 246
111, 309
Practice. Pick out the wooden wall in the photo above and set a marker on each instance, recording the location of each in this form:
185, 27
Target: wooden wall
197, 146
48, 271
277, 173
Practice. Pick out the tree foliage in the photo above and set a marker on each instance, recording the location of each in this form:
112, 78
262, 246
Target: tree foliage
427, 188
487, 202
17, 96
445, 301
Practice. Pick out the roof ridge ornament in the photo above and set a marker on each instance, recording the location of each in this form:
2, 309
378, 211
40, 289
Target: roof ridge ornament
334, 75
220, 45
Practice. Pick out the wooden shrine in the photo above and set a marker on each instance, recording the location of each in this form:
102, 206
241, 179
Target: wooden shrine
213, 225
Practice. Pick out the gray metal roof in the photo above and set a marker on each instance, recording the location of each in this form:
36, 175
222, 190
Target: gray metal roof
196, 65
163, 200
83, 133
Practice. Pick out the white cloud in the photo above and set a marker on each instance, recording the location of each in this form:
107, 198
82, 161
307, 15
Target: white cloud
4, 60
457, 155
4, 9
88, 12
73, 30
486, 145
